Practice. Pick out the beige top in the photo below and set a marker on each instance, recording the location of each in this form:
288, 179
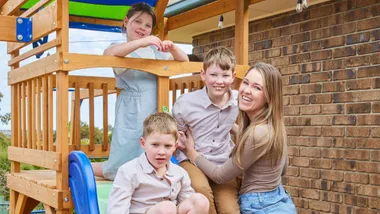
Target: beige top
258, 175
209, 124
138, 187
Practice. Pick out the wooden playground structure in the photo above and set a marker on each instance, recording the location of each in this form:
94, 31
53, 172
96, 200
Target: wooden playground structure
34, 85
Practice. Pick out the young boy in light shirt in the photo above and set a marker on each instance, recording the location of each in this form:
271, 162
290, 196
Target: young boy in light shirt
210, 115
151, 184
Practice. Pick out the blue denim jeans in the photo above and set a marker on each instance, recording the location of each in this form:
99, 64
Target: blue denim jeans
274, 202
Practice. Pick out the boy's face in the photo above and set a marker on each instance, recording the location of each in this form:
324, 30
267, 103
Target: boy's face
159, 148
218, 81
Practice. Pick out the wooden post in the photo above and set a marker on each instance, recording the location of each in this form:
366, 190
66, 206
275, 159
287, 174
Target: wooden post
241, 32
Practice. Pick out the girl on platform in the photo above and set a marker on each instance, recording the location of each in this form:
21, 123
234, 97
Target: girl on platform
261, 151
138, 95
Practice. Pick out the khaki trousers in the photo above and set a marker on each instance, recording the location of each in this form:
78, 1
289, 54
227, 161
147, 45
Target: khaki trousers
223, 198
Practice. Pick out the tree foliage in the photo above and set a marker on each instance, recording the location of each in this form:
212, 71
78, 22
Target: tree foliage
6, 117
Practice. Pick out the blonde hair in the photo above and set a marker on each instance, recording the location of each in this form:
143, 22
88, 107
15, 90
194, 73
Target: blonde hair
272, 115
220, 56
160, 122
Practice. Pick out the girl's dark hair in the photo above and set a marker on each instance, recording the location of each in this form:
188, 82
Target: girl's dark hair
143, 8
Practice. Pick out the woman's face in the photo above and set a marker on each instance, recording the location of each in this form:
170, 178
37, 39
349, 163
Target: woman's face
138, 26
251, 94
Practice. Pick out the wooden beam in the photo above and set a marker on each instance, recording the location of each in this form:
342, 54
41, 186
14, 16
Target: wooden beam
2, 2
44, 22
98, 151
34, 9
241, 32
52, 197
21, 202
159, 11
45, 159
37, 68
11, 6
204, 12
84, 94
83, 81
8, 28
35, 51
95, 21
163, 94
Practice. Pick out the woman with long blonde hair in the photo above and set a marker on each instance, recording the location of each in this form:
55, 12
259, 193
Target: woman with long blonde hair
261, 151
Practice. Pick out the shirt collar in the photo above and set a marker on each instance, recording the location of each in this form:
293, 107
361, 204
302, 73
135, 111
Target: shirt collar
148, 168
207, 101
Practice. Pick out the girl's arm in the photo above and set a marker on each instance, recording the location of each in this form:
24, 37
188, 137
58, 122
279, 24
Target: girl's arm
126, 48
176, 52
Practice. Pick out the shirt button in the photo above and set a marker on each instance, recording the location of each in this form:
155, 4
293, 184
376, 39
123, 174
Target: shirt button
217, 127
221, 111
213, 141
161, 179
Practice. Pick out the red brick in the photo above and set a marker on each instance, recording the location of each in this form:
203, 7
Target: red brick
300, 203
342, 209
368, 48
333, 109
375, 132
344, 143
294, 69
310, 88
367, 190
376, 107
375, 155
333, 20
320, 142
262, 25
355, 15
344, 120
344, 52
358, 84
320, 98
321, 184
255, 56
301, 37
365, 211
321, 120
344, 74
319, 205
357, 38
281, 21
344, 165
369, 71
342, 97
368, 119
262, 45
376, 83
357, 131
310, 152
332, 197
343, 187
300, 79
293, 131
300, 58
343, 29
320, 77
272, 53
356, 200
290, 29
356, 154
264, 35
364, 3
320, 33
280, 61
310, 173
281, 41
291, 49
332, 64
309, 193
366, 95
321, 163
291, 90
321, 55
333, 131
333, 42
298, 141
375, 35
357, 61
292, 171
374, 203
356, 177
321, 11
310, 131
298, 100
366, 143
368, 167
374, 179
312, 109
333, 87
311, 25
332, 153
299, 121
311, 46
343, 6
368, 24
293, 151
299, 182
300, 17
358, 108
294, 110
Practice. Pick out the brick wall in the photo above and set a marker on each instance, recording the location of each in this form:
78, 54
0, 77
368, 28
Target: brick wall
329, 57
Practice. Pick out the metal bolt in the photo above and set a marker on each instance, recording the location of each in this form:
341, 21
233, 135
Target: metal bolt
53, 5
66, 61
165, 68
55, 61
55, 160
19, 21
53, 23
30, 36
20, 37
66, 199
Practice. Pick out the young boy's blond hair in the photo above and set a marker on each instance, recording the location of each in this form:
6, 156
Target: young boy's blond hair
220, 56
160, 122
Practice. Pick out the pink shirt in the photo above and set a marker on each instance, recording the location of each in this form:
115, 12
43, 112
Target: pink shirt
210, 125
137, 187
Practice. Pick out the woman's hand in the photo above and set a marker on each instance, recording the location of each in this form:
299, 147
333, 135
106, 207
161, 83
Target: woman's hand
181, 140
189, 143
